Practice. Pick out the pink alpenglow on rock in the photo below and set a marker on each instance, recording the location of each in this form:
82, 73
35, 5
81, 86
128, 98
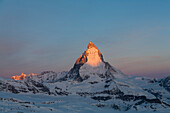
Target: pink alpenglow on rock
92, 56
22, 76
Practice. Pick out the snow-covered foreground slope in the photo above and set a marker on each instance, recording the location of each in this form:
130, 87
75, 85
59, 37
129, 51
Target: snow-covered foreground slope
39, 103
95, 94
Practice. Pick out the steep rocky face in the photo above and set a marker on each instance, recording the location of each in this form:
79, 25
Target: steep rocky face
92, 56
91, 61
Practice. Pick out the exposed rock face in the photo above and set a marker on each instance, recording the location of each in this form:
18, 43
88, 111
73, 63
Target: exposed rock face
166, 83
91, 61
92, 56
23, 86
82, 59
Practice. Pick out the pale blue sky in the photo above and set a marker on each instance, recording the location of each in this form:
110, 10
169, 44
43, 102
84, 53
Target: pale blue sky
38, 35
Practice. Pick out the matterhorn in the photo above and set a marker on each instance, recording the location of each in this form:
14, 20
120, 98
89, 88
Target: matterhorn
91, 62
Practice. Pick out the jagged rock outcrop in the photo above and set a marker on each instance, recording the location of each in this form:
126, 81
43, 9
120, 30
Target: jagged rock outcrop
165, 83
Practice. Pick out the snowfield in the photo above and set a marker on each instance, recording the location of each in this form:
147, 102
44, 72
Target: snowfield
39, 103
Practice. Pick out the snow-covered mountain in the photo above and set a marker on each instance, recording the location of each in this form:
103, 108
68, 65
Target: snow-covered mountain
92, 85
91, 62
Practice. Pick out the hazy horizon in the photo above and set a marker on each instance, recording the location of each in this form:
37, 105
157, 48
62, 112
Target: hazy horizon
42, 35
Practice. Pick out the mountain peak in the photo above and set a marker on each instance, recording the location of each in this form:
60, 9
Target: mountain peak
91, 56
22, 76
91, 62
91, 44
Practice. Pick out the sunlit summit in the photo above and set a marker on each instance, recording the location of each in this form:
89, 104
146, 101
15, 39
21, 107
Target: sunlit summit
91, 56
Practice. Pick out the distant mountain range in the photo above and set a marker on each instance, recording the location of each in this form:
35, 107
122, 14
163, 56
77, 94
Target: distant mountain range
92, 85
